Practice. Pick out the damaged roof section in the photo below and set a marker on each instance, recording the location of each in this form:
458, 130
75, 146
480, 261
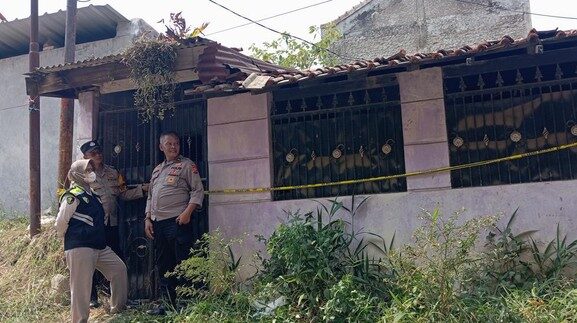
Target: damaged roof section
402, 61
201, 60
218, 63
218, 69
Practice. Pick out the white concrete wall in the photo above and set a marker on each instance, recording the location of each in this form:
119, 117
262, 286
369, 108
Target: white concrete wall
14, 174
383, 27
239, 157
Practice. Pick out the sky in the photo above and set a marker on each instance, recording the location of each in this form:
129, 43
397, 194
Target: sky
198, 11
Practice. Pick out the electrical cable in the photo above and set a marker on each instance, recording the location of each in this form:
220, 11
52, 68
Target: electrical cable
286, 34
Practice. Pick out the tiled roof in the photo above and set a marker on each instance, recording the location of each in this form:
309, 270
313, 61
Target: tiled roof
398, 60
223, 69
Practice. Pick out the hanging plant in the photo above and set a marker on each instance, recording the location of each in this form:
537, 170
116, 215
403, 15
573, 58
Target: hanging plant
151, 63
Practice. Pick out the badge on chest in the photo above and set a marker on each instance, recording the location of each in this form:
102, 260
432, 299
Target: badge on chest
171, 179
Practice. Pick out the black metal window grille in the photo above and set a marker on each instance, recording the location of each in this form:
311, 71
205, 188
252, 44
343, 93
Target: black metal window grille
332, 136
509, 112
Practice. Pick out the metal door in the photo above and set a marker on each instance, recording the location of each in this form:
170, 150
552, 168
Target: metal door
131, 146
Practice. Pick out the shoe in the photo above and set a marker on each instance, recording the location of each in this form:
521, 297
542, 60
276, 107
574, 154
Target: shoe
156, 311
94, 303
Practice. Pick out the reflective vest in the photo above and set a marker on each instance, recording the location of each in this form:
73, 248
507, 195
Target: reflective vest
86, 226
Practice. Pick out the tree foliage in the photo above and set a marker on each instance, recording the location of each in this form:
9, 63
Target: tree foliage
288, 51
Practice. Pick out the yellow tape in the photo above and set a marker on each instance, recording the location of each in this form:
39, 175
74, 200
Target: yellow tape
384, 178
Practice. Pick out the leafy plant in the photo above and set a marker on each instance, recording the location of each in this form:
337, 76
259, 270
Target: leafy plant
556, 257
504, 264
437, 267
211, 264
179, 31
349, 303
289, 52
311, 253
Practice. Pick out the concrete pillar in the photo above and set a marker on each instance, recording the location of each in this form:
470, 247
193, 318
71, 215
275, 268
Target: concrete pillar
86, 119
238, 152
424, 127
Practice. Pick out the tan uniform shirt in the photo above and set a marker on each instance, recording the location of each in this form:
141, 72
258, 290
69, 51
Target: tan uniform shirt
110, 185
173, 185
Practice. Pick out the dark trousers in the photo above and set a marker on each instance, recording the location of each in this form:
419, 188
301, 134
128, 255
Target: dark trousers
112, 240
172, 243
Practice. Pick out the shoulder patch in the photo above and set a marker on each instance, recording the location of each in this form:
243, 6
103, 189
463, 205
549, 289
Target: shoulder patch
76, 191
86, 200
69, 199
194, 169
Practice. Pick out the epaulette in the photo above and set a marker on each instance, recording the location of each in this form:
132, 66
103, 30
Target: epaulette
74, 191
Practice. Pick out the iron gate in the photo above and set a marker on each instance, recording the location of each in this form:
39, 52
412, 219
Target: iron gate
132, 147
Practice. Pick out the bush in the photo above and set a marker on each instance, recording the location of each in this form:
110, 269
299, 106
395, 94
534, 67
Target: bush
315, 259
211, 269
437, 268
349, 303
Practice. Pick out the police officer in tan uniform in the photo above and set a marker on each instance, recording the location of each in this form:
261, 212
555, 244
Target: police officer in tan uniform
176, 191
109, 186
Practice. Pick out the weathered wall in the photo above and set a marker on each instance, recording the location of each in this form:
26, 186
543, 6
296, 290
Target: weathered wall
14, 173
383, 27
245, 162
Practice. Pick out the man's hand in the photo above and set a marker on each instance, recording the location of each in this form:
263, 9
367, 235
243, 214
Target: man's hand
183, 218
145, 187
148, 229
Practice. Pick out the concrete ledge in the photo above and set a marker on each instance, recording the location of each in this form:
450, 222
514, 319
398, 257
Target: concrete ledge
421, 85
240, 174
238, 140
423, 157
235, 108
424, 121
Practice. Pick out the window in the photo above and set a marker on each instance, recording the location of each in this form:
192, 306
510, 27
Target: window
335, 132
509, 112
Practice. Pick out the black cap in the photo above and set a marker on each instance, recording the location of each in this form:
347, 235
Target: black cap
89, 146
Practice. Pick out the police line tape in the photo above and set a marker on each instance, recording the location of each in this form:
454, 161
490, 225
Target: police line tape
388, 177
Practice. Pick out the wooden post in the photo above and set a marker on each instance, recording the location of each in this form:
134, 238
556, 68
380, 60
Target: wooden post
34, 125
67, 105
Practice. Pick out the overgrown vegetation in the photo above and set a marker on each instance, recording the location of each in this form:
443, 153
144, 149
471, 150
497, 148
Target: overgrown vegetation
322, 268
289, 52
151, 62
26, 268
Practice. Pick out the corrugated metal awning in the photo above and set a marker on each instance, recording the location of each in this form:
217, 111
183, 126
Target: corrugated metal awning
93, 23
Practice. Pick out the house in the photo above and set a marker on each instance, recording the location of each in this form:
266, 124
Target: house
106, 110
250, 124
101, 31
376, 28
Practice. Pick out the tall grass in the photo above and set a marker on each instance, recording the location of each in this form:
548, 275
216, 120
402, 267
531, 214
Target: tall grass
26, 268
